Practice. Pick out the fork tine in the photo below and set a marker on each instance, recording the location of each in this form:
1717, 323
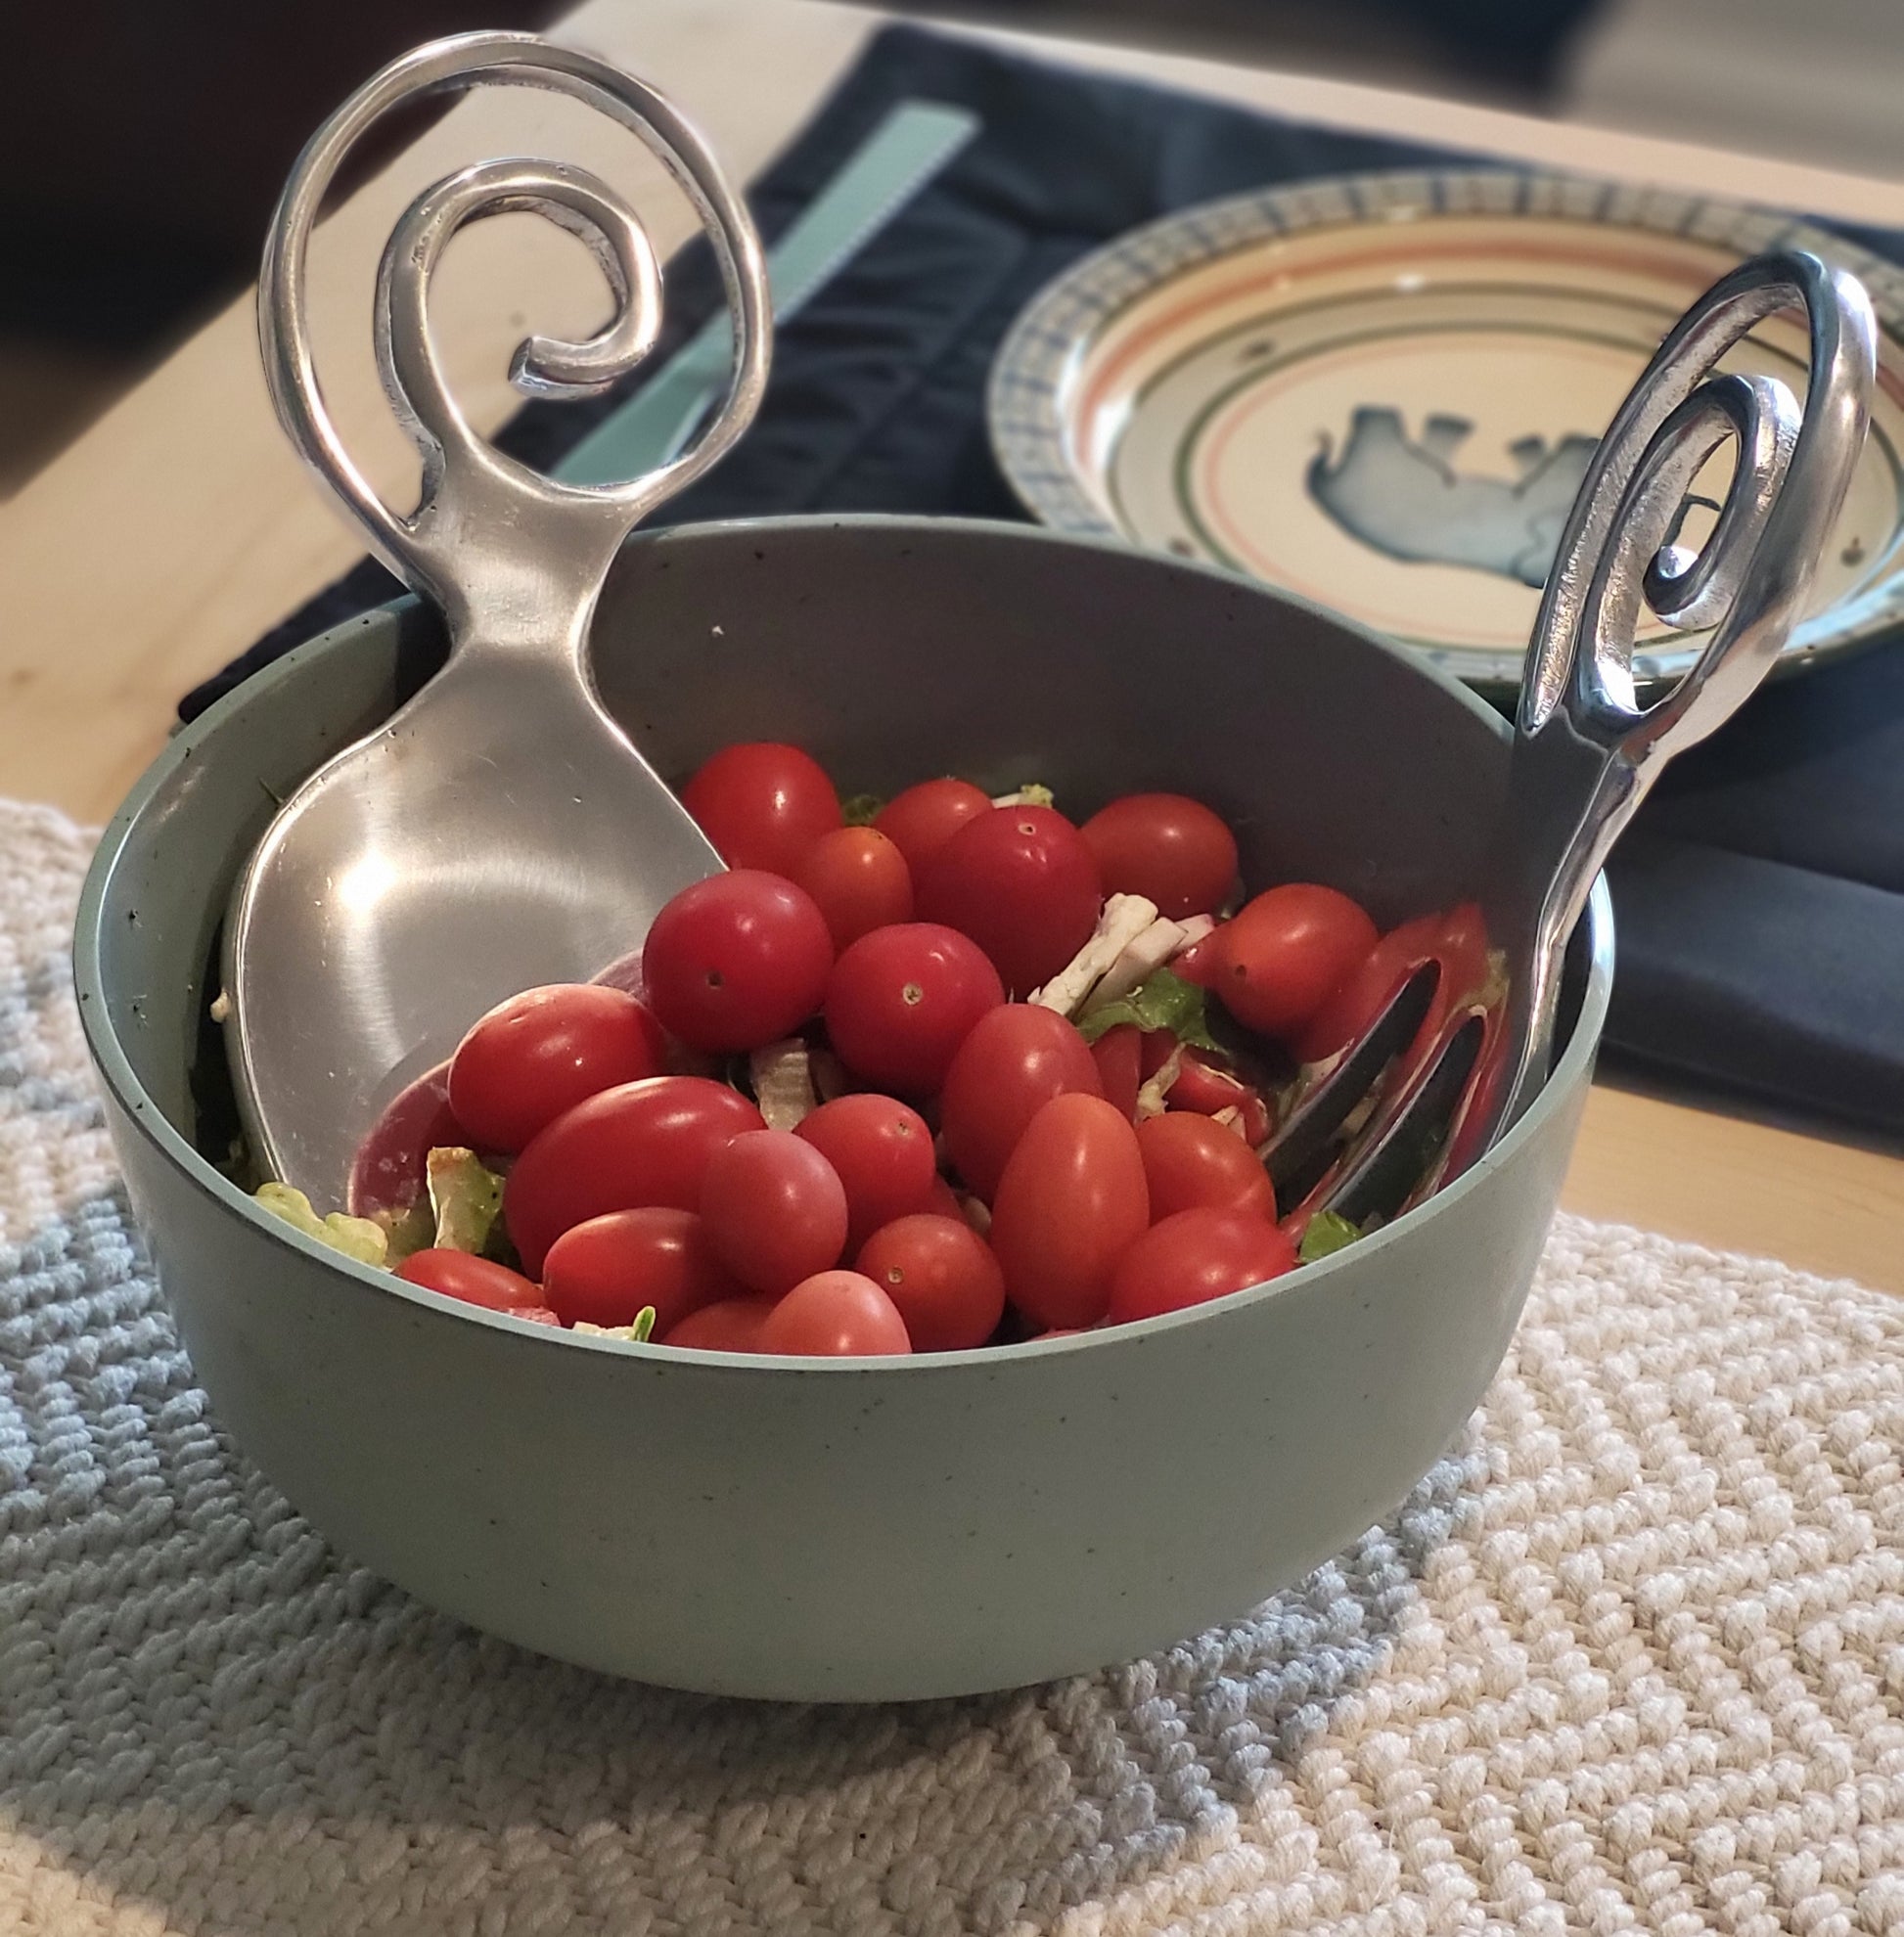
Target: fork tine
1300, 1149
1400, 1148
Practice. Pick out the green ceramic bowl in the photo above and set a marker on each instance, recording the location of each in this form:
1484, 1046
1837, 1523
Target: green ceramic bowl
892, 1528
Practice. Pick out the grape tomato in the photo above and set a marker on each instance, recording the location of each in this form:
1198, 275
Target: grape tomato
774, 1210
1191, 1162
641, 1144
1015, 1059
859, 881
920, 821
1021, 883
834, 1314
476, 1281
607, 1270
762, 804
544, 1051
730, 1324
1169, 848
900, 1001
737, 961
882, 1150
1071, 1201
1285, 953
1195, 1256
942, 1277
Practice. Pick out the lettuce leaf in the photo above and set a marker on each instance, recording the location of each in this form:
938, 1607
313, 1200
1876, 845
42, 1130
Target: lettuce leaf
1162, 1001
355, 1237
1329, 1231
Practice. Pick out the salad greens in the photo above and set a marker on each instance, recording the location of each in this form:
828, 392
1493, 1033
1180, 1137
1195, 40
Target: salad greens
465, 1200
1329, 1231
1162, 1001
355, 1237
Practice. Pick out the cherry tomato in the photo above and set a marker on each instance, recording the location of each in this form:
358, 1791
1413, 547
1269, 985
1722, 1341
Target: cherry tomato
542, 1051
737, 961
1198, 962
388, 1173
943, 1278
1167, 847
1287, 952
1157, 1048
1195, 1256
882, 1152
1021, 883
604, 1270
858, 880
639, 1143
1015, 1061
762, 804
942, 1201
901, 1000
476, 1281
920, 821
834, 1314
1190, 1162
730, 1324
1071, 1201
1456, 939
1207, 1088
774, 1210
1119, 1056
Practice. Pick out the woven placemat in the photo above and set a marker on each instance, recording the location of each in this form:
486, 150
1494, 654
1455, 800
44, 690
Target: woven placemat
1632, 1661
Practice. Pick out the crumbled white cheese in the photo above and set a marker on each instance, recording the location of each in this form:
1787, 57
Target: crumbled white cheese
1140, 960
1231, 1119
221, 1008
1122, 919
783, 1083
1031, 794
1195, 929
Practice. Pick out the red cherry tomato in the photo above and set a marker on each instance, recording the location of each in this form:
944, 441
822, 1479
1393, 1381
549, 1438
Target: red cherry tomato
943, 1278
1021, 883
542, 1051
604, 1270
476, 1281
1071, 1201
730, 1324
1195, 1256
1119, 1056
1287, 952
762, 804
1157, 1048
859, 881
389, 1173
1456, 939
640, 1144
1198, 962
836, 1315
920, 821
737, 961
1189, 1162
774, 1210
1167, 847
882, 1152
1015, 1061
1207, 1089
942, 1201
901, 1000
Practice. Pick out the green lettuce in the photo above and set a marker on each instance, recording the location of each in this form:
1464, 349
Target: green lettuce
465, 1199
355, 1237
1162, 1001
1329, 1231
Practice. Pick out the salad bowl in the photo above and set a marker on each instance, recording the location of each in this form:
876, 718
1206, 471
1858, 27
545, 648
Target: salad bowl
872, 1529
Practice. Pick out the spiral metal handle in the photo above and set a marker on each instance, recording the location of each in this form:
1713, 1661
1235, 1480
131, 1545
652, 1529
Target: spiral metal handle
1585, 752
513, 558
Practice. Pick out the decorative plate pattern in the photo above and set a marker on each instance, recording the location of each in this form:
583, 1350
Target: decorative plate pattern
1382, 391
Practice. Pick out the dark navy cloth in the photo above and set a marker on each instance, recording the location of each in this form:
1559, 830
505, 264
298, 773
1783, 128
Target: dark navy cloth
1759, 899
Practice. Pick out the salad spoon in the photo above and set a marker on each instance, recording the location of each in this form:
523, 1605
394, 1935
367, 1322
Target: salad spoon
500, 831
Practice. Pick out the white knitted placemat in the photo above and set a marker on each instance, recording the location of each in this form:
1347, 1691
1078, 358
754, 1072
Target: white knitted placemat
1634, 1660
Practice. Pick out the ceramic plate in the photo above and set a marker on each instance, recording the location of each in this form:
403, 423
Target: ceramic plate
1382, 392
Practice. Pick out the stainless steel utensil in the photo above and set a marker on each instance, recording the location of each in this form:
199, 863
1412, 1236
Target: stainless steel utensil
501, 831
1584, 753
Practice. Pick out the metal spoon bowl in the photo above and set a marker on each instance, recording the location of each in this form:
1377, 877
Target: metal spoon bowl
501, 831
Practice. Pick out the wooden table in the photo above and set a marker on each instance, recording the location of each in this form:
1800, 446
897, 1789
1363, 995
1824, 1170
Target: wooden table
180, 527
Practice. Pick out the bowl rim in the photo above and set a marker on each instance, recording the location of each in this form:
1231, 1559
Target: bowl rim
142, 1112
